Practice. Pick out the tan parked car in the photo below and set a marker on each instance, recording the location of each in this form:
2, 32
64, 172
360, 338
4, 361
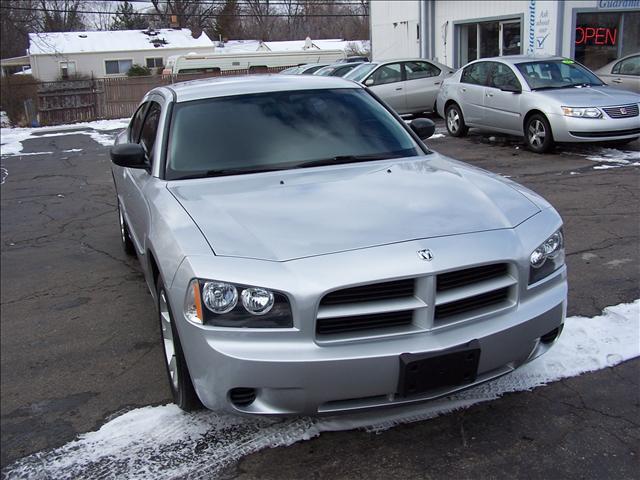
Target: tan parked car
622, 73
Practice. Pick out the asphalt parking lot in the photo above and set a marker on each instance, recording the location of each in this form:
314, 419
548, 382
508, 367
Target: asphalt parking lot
80, 343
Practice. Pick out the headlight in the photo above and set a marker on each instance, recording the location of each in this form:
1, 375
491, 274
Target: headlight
584, 112
547, 258
210, 302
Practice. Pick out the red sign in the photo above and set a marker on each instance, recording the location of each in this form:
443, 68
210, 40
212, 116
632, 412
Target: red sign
596, 35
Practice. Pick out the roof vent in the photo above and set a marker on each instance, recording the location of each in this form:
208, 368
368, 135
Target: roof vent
83, 35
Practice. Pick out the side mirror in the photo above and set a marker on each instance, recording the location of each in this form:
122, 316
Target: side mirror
511, 88
130, 155
368, 82
423, 127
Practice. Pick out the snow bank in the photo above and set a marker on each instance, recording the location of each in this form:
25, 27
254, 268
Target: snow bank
164, 442
11, 138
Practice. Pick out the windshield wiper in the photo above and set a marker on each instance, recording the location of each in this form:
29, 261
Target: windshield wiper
340, 159
227, 171
572, 85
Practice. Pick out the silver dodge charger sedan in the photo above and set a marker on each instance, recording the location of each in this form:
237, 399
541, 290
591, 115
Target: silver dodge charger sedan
308, 254
546, 100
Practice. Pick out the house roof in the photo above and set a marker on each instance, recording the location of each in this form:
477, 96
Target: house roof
114, 41
242, 46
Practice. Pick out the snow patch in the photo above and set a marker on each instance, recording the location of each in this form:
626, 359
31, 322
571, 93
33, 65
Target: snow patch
611, 157
71, 150
164, 442
11, 138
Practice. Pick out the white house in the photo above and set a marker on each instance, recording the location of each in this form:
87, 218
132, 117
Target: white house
454, 32
55, 56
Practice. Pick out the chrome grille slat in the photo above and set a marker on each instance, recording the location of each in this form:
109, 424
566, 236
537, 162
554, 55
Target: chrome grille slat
630, 110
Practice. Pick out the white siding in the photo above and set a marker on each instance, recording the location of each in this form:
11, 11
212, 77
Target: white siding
47, 67
394, 27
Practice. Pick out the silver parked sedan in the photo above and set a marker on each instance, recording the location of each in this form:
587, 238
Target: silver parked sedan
546, 100
309, 254
407, 86
622, 73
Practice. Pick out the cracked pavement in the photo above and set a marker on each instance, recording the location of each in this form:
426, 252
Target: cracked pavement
79, 340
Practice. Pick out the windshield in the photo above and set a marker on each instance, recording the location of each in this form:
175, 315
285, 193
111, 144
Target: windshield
282, 130
547, 74
358, 73
325, 71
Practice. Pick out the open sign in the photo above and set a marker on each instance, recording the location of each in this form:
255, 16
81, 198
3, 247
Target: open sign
596, 36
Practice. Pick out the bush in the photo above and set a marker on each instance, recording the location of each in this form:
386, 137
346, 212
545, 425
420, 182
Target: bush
14, 91
138, 71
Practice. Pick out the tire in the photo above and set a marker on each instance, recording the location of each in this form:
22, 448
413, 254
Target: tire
184, 395
125, 237
455, 121
538, 134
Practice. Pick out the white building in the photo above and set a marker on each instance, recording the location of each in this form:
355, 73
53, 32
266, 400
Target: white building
454, 32
55, 56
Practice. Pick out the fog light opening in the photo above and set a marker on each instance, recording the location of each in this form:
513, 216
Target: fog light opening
551, 336
242, 397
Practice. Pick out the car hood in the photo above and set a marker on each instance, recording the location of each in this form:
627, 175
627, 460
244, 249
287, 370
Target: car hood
591, 96
285, 215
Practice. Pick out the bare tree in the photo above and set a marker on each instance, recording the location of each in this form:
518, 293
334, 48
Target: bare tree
18, 19
187, 13
61, 15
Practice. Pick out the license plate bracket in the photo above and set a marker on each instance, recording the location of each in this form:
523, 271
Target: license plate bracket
422, 372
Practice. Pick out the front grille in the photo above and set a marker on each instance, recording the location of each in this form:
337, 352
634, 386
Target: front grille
609, 133
328, 326
471, 303
468, 276
624, 111
372, 292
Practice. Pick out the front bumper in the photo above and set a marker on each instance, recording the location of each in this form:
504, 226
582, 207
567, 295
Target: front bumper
570, 129
295, 372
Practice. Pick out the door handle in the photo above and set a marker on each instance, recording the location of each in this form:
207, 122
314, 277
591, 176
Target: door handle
437, 83
489, 94
464, 89
617, 80
399, 88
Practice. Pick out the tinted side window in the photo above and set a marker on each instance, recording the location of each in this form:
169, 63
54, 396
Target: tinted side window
136, 123
420, 70
476, 74
387, 74
630, 66
150, 129
503, 76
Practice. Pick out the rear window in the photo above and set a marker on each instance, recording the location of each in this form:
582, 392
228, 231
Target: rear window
281, 129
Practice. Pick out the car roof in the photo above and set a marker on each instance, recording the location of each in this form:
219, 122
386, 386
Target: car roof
248, 84
514, 59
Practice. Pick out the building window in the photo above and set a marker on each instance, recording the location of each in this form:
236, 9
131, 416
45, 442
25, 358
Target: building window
67, 69
601, 37
489, 39
155, 62
117, 67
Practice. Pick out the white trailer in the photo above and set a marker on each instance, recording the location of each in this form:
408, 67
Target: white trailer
211, 63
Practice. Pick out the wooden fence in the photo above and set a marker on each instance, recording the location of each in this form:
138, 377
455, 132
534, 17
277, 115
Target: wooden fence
105, 98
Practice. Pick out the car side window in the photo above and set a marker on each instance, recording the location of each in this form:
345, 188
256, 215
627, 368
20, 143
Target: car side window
417, 70
502, 76
150, 129
476, 73
387, 74
628, 66
136, 123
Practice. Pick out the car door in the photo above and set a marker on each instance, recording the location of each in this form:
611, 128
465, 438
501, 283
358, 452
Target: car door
422, 83
473, 82
387, 81
502, 107
138, 178
625, 74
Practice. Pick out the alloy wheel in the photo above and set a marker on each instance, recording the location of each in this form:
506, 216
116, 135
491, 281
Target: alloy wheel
167, 337
453, 120
537, 134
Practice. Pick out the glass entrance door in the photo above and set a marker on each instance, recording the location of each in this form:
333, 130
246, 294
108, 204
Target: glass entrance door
510, 40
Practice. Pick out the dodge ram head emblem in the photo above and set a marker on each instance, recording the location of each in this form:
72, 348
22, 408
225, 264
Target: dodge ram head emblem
425, 254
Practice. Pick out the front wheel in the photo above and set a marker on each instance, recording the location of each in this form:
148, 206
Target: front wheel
537, 133
125, 236
184, 395
455, 121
